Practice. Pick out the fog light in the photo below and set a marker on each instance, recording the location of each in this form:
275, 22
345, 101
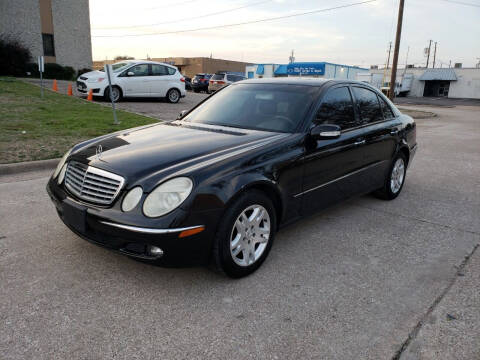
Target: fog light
155, 251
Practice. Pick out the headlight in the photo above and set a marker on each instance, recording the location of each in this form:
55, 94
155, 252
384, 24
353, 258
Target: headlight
95, 80
132, 198
167, 197
61, 163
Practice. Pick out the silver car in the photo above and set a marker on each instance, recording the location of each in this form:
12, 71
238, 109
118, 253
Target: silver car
220, 80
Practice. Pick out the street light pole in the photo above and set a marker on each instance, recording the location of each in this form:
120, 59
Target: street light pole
393, 78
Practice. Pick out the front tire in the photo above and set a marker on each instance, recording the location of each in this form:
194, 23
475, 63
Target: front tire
395, 178
245, 235
173, 96
116, 92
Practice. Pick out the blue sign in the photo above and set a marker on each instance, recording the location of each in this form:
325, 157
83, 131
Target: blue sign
306, 69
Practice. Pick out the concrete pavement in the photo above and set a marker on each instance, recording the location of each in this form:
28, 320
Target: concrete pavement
352, 282
153, 107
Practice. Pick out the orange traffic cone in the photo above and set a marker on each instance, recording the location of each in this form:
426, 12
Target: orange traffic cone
55, 86
69, 91
90, 95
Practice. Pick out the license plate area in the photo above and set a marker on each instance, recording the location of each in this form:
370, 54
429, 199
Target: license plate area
75, 215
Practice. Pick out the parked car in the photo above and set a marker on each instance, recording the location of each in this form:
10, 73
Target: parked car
135, 78
188, 83
200, 82
215, 185
222, 79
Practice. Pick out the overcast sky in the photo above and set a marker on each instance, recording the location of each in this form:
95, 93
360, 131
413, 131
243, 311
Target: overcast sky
357, 35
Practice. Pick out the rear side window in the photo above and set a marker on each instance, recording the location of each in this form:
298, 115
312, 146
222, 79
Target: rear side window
158, 70
368, 105
337, 109
231, 78
387, 110
171, 71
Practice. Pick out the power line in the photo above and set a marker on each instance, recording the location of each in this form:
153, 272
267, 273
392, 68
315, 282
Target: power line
186, 19
462, 3
171, 5
239, 24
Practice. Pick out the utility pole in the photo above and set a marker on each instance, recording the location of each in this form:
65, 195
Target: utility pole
397, 49
428, 55
291, 59
434, 54
450, 64
389, 50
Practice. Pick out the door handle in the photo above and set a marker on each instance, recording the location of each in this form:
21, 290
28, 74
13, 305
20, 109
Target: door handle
360, 142
394, 132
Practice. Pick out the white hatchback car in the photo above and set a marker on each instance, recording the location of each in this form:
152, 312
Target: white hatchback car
136, 78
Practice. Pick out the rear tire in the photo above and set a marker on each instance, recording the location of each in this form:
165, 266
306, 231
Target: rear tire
245, 235
395, 178
196, 91
173, 96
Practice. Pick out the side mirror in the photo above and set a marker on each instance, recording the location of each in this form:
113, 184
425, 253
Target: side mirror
326, 131
182, 114
130, 73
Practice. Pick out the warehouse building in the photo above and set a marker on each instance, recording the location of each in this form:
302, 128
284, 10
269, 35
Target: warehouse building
456, 82
57, 29
310, 69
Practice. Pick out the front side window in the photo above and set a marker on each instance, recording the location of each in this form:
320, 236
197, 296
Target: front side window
368, 105
337, 109
159, 70
139, 70
278, 108
48, 45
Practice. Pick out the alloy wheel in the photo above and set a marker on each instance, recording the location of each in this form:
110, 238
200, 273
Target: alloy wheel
250, 235
398, 175
115, 94
173, 96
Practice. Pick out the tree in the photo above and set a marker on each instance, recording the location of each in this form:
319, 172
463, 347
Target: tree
124, 57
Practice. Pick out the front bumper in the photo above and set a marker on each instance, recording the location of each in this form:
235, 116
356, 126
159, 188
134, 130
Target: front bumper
101, 227
84, 87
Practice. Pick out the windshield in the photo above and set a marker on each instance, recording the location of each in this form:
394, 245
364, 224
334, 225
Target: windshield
117, 67
279, 108
218, 77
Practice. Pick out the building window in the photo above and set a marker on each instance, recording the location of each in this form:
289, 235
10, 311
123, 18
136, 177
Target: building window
48, 45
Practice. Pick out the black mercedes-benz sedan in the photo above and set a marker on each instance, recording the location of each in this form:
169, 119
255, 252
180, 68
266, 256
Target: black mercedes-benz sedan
215, 185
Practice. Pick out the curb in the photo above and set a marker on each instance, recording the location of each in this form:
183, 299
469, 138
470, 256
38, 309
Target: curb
21, 167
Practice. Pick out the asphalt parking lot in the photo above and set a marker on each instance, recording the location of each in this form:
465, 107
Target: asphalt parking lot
353, 282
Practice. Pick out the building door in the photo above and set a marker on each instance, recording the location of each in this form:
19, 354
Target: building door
436, 88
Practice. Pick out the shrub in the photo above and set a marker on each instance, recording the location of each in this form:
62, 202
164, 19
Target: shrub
14, 57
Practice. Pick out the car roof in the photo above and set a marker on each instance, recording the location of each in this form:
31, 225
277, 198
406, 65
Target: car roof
301, 80
145, 62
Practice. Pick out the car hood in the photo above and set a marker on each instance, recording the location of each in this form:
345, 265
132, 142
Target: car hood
170, 147
93, 74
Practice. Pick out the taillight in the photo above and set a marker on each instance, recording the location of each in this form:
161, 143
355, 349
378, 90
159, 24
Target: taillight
182, 79
221, 82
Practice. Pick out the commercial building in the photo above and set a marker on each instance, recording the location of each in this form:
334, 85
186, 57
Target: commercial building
189, 66
311, 69
439, 82
57, 29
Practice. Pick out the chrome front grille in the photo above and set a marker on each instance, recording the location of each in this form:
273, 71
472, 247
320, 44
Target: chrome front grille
92, 184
